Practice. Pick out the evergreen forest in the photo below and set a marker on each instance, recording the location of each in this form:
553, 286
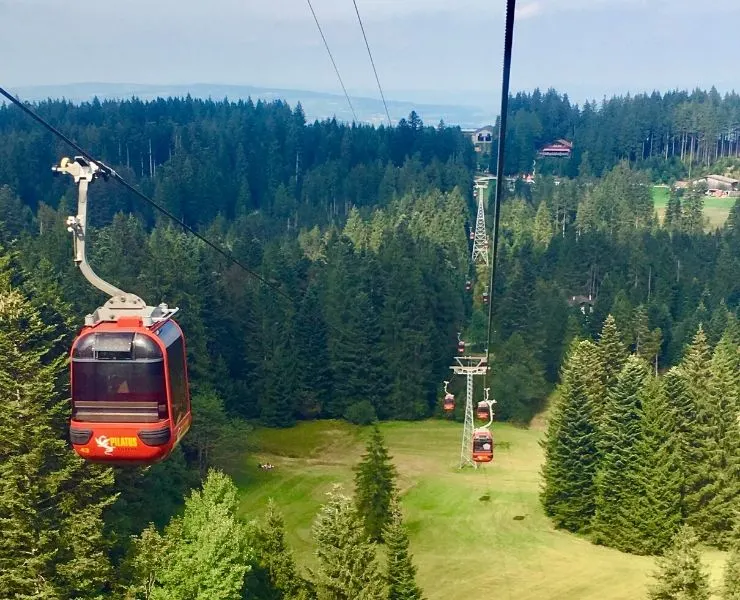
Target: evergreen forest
355, 243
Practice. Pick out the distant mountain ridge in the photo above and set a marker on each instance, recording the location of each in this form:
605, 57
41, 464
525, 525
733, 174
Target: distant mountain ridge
316, 105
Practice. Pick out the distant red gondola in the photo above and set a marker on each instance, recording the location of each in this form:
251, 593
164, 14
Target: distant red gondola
472, 234
483, 412
485, 297
482, 446
461, 347
468, 285
449, 402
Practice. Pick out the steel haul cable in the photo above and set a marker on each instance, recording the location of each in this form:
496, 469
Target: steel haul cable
331, 57
372, 62
508, 43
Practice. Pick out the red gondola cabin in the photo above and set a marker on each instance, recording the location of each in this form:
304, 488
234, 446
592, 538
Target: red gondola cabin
449, 403
461, 347
472, 234
482, 446
485, 297
130, 393
482, 411
468, 285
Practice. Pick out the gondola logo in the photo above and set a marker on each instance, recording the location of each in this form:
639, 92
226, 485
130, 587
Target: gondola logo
104, 442
109, 444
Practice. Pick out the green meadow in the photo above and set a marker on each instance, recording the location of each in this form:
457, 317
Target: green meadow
474, 533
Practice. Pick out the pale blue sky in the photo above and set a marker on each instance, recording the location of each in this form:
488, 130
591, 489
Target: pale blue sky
425, 50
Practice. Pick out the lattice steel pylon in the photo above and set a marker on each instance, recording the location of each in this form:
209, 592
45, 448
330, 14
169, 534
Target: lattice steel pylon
468, 366
480, 241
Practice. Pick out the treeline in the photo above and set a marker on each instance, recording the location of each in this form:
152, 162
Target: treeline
668, 133
631, 457
202, 159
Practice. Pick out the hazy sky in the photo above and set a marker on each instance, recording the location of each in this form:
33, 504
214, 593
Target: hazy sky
425, 50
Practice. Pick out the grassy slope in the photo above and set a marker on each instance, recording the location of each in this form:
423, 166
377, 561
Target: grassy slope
715, 209
462, 545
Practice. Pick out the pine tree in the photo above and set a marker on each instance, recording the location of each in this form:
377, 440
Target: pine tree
673, 214
51, 502
543, 227
712, 450
202, 554
612, 350
400, 569
347, 563
681, 575
674, 388
618, 482
657, 513
375, 485
274, 575
312, 354
570, 447
721, 494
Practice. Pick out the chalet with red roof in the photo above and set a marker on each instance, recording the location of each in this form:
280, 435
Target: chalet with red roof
559, 149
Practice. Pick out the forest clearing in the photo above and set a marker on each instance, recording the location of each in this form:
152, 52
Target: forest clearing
461, 543
716, 210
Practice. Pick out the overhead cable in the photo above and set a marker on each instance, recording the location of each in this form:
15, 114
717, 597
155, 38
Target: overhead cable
508, 43
336, 69
372, 62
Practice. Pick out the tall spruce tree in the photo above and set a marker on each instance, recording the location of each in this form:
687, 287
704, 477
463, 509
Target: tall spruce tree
51, 502
674, 388
347, 564
657, 514
711, 481
721, 494
375, 485
618, 485
681, 575
568, 494
274, 575
314, 375
613, 355
400, 569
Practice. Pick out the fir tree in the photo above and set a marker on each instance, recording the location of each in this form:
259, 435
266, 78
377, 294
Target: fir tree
400, 569
681, 575
543, 227
570, 447
618, 485
712, 450
721, 494
657, 514
612, 352
51, 502
347, 564
673, 213
274, 575
375, 485
312, 354
674, 389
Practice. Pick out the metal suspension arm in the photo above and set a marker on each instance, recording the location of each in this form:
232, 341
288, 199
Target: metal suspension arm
490, 409
84, 173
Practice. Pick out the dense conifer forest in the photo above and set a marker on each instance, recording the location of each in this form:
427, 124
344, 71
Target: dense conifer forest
364, 231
